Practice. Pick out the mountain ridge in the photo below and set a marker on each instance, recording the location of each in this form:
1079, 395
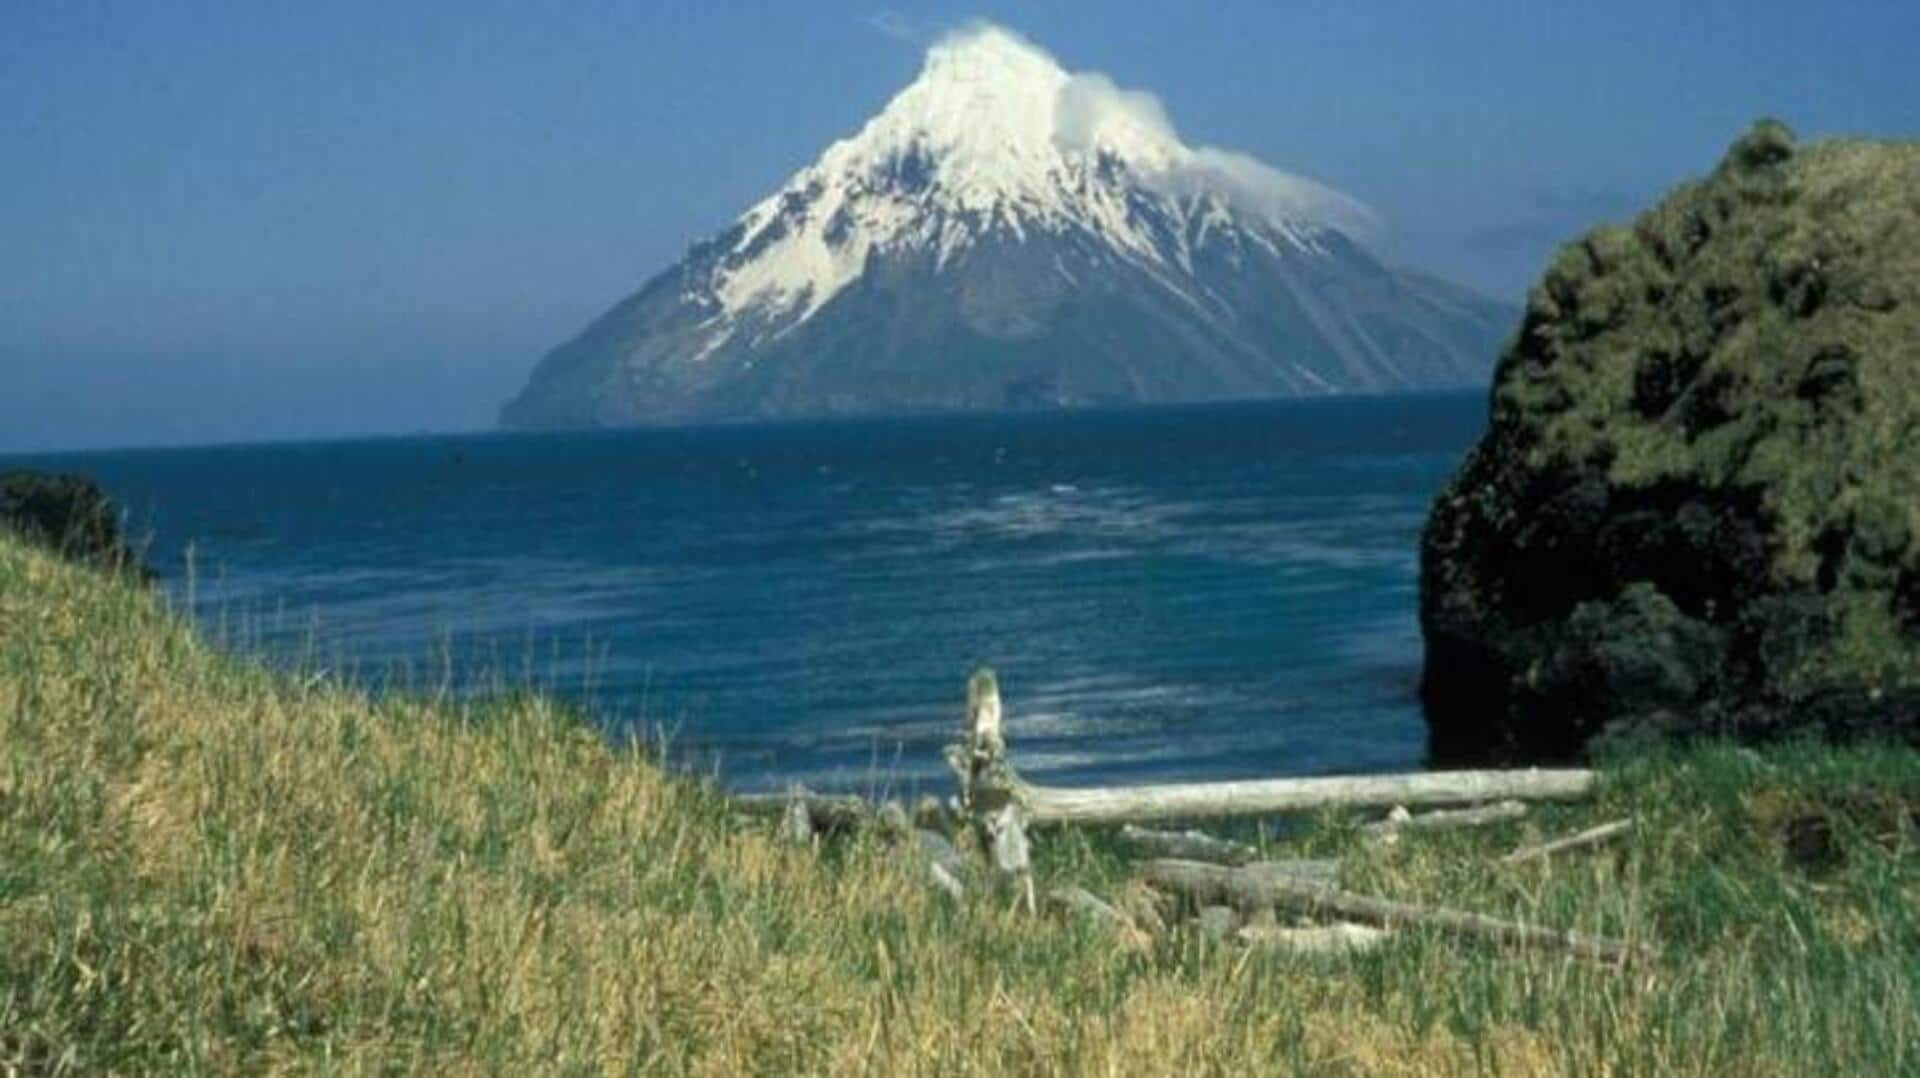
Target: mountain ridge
1006, 234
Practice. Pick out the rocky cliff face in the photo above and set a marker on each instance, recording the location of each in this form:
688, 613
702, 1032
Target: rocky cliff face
1009, 234
1697, 507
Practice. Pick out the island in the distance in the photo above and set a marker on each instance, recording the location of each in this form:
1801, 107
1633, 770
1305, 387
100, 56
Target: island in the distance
1006, 234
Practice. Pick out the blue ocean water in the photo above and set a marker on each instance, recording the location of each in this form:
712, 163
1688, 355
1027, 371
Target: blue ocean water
1203, 592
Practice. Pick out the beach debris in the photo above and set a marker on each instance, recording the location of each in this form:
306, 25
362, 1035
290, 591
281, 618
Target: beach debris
1254, 885
1343, 937
1186, 845
1399, 819
1049, 805
1590, 837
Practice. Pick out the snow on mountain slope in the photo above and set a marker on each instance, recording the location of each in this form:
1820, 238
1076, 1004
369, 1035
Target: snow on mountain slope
995, 134
1000, 210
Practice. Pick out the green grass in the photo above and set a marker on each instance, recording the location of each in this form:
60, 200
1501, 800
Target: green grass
205, 866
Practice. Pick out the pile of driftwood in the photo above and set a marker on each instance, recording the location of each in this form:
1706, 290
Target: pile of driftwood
1217, 885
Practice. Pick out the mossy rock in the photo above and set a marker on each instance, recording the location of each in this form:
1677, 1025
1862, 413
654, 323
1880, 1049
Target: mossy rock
1697, 505
68, 514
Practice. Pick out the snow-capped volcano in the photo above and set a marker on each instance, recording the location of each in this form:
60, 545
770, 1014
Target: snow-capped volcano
1006, 233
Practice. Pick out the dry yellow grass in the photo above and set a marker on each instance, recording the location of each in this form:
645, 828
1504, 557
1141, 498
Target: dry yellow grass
208, 866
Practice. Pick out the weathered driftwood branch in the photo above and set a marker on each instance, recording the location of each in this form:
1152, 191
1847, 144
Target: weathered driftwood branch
1342, 938
1265, 797
979, 761
987, 781
1238, 885
1442, 819
1251, 886
987, 786
1185, 845
1591, 836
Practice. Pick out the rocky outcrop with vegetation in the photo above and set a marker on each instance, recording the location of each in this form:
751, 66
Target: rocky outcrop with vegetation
68, 514
1697, 504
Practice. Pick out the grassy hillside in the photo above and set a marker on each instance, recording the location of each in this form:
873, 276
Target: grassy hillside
205, 866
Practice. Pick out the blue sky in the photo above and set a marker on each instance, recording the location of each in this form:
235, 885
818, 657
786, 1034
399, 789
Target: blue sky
263, 220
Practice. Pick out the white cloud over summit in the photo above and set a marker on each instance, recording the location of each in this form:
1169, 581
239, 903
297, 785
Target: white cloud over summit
1091, 112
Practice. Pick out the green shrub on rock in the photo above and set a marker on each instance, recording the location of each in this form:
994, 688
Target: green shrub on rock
68, 514
1697, 503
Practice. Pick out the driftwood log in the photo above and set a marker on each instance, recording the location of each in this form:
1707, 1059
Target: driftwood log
1240, 885
1342, 938
1185, 846
1590, 837
1047, 805
1443, 819
1254, 885
1267, 797
988, 780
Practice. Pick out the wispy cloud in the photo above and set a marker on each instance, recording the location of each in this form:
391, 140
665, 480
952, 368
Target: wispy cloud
1092, 107
890, 23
